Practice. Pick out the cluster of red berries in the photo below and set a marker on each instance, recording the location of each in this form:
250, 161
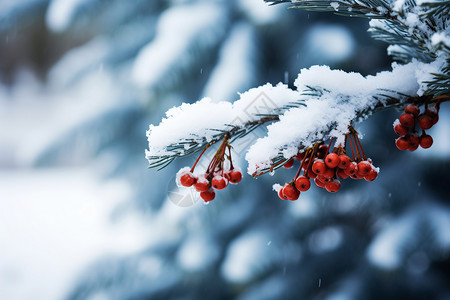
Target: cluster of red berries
327, 167
218, 175
405, 126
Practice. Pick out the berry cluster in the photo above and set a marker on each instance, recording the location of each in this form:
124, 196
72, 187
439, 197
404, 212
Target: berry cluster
405, 126
218, 175
327, 167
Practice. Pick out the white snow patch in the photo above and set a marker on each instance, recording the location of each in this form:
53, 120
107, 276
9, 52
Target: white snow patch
197, 253
328, 43
259, 12
54, 224
235, 68
244, 257
60, 13
441, 37
335, 5
179, 31
325, 240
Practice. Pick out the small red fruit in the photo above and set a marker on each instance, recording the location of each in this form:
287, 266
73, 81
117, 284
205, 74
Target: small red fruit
235, 176
319, 183
425, 121
322, 178
281, 195
435, 119
413, 140
319, 166
412, 109
402, 143
311, 174
344, 161
306, 163
407, 120
431, 111
364, 167
290, 192
413, 147
202, 184
187, 179
332, 160
300, 155
400, 129
341, 174
426, 141
302, 183
371, 176
289, 163
322, 151
219, 182
351, 169
333, 186
208, 195
356, 176
329, 173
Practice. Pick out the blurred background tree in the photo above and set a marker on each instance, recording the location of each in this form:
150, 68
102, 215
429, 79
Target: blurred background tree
82, 217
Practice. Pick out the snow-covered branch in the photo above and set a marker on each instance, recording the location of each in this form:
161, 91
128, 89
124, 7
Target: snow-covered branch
325, 103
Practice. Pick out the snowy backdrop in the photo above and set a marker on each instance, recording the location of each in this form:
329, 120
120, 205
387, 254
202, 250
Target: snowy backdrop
81, 216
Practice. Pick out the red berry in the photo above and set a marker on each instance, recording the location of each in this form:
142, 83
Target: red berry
208, 195
431, 111
302, 183
329, 173
351, 169
357, 176
219, 182
290, 192
402, 143
333, 186
371, 176
412, 109
435, 119
235, 176
311, 174
289, 163
344, 161
187, 179
322, 178
400, 129
407, 120
332, 160
306, 163
300, 155
364, 167
341, 174
281, 195
319, 183
319, 166
426, 141
413, 140
322, 151
413, 147
425, 121
202, 184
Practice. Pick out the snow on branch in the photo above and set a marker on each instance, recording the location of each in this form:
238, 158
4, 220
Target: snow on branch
325, 103
190, 127
338, 100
